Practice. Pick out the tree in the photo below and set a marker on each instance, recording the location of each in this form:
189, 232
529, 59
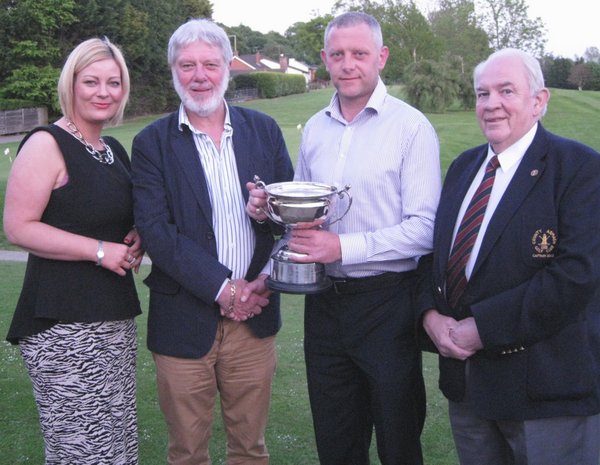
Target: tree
31, 45
585, 76
507, 25
431, 86
405, 31
247, 40
580, 76
153, 23
464, 42
556, 71
95, 18
592, 54
276, 45
197, 8
38, 35
135, 33
34, 84
595, 75
307, 39
31, 31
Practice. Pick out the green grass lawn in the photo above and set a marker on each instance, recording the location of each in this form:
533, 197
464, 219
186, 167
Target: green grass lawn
289, 434
290, 438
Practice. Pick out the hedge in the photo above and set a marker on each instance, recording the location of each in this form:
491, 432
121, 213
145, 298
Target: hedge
8, 104
271, 85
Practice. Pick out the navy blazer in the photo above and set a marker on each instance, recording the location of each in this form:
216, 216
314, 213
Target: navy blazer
173, 215
534, 289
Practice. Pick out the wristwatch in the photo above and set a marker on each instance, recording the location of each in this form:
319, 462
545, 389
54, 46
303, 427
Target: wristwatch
100, 253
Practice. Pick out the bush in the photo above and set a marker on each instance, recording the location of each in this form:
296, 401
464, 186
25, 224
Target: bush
243, 81
322, 74
431, 86
34, 84
145, 100
271, 85
466, 93
15, 104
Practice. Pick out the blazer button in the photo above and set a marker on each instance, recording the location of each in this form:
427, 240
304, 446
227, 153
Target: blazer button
210, 236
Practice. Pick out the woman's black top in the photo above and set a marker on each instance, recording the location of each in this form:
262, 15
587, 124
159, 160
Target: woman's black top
96, 202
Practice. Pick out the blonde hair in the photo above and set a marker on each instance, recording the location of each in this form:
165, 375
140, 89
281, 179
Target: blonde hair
86, 53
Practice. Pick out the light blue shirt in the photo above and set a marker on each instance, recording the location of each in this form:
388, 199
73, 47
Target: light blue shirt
389, 155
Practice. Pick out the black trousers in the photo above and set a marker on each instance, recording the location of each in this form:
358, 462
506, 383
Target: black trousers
364, 370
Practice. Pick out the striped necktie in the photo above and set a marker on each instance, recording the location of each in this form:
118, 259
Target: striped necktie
467, 234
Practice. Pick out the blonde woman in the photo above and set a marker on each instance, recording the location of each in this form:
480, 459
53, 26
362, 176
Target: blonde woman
69, 204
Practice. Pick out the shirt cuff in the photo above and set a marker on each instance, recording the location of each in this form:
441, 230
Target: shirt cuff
221, 289
354, 248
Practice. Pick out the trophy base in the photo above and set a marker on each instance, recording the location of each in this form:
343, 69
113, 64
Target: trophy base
306, 288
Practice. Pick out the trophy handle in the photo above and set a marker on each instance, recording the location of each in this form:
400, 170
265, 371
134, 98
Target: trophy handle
341, 193
269, 208
259, 183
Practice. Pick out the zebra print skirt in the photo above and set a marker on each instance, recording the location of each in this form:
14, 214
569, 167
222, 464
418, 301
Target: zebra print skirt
83, 377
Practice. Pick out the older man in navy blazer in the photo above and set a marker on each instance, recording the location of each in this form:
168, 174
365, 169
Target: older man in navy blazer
212, 321
513, 301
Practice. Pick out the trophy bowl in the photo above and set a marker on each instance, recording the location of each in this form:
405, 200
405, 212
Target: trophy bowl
290, 203
291, 213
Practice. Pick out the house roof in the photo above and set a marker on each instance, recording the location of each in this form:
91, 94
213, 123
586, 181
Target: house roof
293, 63
256, 62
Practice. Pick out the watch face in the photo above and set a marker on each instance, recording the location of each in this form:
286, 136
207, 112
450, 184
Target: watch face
100, 252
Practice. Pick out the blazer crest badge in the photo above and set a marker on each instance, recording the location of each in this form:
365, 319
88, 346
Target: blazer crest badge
544, 243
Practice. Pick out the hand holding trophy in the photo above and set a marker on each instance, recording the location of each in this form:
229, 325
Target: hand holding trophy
297, 204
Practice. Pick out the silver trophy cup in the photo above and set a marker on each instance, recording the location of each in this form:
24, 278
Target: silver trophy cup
290, 203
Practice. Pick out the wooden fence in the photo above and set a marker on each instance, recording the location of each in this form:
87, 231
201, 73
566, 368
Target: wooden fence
23, 120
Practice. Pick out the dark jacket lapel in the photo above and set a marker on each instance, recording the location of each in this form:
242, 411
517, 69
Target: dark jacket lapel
244, 160
529, 172
448, 214
185, 151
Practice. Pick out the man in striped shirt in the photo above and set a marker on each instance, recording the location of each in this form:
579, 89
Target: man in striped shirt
212, 321
363, 362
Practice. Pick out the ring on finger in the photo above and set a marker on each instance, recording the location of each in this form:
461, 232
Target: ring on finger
258, 210
131, 260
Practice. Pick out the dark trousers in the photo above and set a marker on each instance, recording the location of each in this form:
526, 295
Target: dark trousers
545, 441
364, 371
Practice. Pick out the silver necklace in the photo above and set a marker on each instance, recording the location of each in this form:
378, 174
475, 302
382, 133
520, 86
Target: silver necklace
106, 157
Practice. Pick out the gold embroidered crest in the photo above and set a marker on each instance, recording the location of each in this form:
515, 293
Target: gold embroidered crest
544, 243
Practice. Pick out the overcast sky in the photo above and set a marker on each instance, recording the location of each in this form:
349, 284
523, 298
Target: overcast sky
571, 27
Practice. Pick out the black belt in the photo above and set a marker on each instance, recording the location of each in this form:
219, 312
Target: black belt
370, 283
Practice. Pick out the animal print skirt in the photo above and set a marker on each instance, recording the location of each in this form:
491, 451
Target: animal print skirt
83, 377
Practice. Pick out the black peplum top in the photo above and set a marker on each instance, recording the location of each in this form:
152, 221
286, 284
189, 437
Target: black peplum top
96, 202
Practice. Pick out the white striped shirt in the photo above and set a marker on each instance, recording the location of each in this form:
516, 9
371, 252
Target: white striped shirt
389, 155
233, 232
